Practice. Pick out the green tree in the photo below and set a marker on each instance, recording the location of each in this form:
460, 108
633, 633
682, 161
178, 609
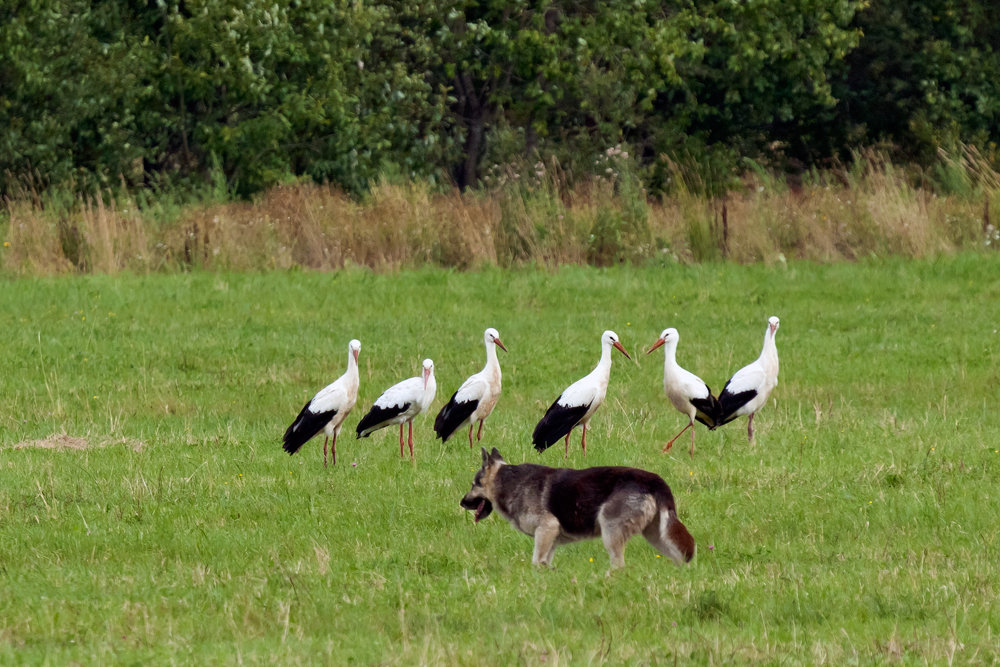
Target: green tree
574, 78
926, 74
92, 92
268, 89
71, 87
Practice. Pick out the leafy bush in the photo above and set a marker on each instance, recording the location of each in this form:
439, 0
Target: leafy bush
176, 93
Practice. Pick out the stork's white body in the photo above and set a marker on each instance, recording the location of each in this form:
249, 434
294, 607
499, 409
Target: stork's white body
590, 390
483, 388
412, 397
577, 404
476, 397
400, 404
328, 409
686, 391
749, 388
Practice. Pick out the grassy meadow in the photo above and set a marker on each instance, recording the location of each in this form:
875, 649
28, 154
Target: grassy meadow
148, 513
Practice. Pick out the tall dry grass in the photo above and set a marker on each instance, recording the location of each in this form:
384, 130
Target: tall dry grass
871, 208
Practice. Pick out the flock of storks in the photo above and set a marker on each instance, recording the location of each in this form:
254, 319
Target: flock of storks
744, 394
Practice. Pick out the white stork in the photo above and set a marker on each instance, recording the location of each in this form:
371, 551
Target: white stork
400, 404
328, 409
477, 396
749, 388
686, 391
578, 403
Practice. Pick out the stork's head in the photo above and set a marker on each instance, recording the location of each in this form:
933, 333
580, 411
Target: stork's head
492, 337
355, 348
668, 336
772, 325
428, 371
611, 338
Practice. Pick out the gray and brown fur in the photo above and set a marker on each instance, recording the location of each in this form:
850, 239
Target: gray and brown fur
562, 505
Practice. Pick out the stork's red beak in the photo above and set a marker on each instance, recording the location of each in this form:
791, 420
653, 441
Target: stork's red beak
622, 350
500, 344
657, 344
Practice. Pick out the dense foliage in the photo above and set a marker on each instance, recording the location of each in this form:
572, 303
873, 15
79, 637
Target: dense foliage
249, 93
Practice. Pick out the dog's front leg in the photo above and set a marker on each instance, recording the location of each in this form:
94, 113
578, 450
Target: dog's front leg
545, 541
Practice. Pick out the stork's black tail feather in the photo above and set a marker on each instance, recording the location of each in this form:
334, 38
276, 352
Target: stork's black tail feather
557, 422
452, 415
378, 417
708, 410
305, 426
729, 404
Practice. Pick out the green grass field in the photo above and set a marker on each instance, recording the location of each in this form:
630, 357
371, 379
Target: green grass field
860, 527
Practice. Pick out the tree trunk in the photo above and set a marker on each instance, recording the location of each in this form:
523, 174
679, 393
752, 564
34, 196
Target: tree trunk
474, 117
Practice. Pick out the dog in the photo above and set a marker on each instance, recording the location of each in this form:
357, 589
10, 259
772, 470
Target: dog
562, 505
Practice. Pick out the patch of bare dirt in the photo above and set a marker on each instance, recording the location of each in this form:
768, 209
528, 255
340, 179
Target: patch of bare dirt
56, 441
64, 441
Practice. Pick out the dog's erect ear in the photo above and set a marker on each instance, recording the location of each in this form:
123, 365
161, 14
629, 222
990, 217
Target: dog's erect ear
486, 457
495, 455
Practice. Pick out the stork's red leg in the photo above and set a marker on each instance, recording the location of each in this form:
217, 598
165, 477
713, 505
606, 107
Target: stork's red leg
333, 449
326, 441
583, 440
479, 433
401, 440
410, 437
750, 427
671, 443
470, 434
692, 439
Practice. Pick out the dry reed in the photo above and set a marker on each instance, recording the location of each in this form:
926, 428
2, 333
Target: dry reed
872, 209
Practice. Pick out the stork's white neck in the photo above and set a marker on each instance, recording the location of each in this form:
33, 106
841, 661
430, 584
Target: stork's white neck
492, 363
430, 389
769, 353
352, 364
604, 365
669, 355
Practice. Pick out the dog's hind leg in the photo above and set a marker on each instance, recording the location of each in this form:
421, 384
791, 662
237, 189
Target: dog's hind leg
615, 532
623, 516
614, 541
547, 558
546, 535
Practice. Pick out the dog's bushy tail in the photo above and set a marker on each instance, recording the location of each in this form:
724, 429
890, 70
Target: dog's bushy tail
669, 535
676, 533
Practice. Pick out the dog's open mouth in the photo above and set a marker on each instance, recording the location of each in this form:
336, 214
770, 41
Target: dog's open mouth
482, 510
481, 506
